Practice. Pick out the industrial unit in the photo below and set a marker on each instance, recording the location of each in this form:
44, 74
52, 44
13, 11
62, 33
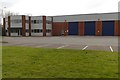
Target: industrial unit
103, 24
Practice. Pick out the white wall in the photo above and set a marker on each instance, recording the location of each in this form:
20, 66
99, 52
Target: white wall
6, 24
27, 34
14, 34
49, 18
33, 26
16, 25
27, 25
49, 26
48, 34
36, 26
36, 34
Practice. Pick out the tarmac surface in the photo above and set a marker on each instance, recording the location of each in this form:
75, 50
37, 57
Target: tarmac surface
102, 43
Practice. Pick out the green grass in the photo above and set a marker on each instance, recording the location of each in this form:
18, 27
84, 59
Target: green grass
27, 62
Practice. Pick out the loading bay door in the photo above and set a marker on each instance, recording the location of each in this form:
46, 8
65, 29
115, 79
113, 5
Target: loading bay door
90, 28
108, 28
73, 28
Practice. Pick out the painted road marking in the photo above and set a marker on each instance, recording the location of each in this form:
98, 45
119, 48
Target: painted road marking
62, 46
84, 47
111, 49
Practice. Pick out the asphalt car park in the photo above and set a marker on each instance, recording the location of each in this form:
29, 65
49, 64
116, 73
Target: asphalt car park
101, 43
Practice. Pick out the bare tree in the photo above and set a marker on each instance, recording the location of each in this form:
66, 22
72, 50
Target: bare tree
8, 13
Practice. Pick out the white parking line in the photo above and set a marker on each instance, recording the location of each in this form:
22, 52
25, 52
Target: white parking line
84, 47
62, 46
111, 49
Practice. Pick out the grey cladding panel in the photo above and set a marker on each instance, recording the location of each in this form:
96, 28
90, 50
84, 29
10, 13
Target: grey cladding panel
86, 17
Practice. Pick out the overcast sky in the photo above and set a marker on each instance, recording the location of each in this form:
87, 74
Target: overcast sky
59, 7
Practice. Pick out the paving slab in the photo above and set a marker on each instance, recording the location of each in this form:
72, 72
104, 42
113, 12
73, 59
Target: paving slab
53, 46
75, 47
115, 48
99, 48
102, 43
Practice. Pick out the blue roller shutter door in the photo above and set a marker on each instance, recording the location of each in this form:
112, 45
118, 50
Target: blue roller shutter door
108, 28
73, 28
90, 28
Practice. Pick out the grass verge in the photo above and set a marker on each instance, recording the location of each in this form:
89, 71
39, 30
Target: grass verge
27, 62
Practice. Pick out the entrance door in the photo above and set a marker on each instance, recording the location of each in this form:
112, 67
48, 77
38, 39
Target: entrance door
19, 31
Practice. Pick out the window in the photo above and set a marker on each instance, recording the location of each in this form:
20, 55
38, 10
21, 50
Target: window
37, 31
11, 31
34, 21
27, 30
32, 30
48, 22
14, 31
37, 21
16, 21
40, 21
41, 30
27, 21
48, 31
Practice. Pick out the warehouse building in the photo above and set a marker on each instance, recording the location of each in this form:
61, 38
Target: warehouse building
103, 24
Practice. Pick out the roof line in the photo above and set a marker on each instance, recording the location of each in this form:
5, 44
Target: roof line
84, 14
